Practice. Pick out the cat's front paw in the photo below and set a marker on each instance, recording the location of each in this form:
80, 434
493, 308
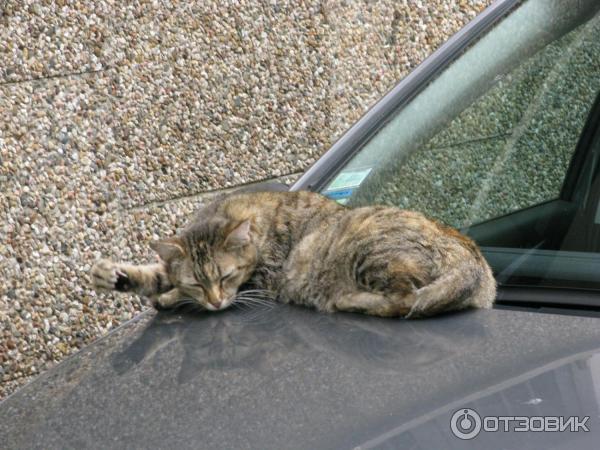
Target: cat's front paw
167, 300
108, 276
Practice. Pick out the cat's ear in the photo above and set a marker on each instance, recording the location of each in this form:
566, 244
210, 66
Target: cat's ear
169, 248
239, 236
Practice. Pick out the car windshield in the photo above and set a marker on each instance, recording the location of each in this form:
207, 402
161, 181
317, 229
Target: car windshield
503, 145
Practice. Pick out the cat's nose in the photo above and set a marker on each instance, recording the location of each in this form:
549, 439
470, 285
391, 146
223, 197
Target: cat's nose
216, 303
214, 297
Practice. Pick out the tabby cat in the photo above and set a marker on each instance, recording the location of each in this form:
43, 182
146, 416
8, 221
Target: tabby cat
303, 248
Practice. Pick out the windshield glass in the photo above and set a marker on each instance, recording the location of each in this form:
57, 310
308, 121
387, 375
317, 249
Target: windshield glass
502, 145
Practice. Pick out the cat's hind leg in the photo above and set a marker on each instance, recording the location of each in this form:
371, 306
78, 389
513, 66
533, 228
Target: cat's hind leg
375, 304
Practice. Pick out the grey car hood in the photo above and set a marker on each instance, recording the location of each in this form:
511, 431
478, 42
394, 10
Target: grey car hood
292, 378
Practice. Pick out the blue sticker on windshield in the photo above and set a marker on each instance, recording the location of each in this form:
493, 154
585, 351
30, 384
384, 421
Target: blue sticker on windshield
342, 186
336, 195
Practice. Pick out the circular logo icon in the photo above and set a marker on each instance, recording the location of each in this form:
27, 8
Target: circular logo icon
465, 423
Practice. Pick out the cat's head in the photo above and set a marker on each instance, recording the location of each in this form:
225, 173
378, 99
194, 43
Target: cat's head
210, 261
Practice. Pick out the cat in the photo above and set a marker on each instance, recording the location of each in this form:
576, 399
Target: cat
303, 248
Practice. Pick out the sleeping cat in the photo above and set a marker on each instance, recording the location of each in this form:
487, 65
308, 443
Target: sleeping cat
300, 247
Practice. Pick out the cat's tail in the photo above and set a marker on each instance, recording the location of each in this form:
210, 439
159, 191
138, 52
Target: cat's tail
469, 286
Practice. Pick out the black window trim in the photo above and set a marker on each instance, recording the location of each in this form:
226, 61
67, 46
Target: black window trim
321, 172
574, 176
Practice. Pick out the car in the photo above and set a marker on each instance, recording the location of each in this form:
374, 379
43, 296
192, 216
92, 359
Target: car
496, 133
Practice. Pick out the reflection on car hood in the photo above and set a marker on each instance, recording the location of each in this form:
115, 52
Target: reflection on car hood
287, 377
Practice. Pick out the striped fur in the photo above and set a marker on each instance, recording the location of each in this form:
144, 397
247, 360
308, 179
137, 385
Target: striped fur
309, 250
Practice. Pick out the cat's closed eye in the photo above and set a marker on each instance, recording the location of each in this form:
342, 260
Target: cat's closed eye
226, 277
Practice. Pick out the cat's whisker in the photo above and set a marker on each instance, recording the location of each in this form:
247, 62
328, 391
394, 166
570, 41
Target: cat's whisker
249, 294
242, 306
254, 299
252, 302
259, 296
264, 301
258, 301
263, 292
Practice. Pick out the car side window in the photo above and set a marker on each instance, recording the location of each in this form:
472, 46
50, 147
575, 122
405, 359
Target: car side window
508, 150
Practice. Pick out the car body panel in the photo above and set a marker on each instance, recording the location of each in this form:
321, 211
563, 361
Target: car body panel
289, 377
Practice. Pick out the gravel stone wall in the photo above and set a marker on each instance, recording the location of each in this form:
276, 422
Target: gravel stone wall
116, 116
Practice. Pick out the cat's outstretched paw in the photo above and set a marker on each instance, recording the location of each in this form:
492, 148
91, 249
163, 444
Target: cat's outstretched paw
109, 276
